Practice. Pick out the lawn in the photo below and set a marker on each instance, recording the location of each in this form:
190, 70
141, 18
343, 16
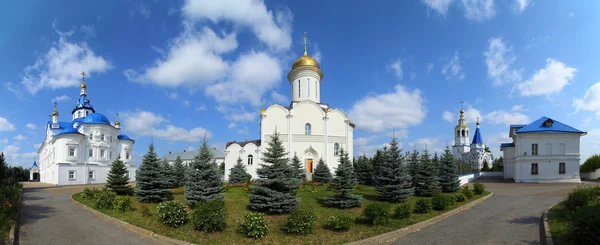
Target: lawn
9, 206
236, 205
559, 224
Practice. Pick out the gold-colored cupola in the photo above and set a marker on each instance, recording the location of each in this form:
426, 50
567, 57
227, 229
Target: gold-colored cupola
306, 62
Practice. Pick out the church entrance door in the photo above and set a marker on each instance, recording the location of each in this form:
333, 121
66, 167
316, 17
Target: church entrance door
36, 177
309, 164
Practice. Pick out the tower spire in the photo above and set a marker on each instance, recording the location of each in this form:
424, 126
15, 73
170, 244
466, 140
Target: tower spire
305, 53
55, 112
83, 85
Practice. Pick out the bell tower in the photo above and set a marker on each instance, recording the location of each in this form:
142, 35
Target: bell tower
305, 78
461, 133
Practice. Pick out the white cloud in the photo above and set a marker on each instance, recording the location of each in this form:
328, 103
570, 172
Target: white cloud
201, 108
278, 98
145, 123
173, 95
479, 10
395, 110
186, 102
507, 118
432, 145
28, 155
20, 137
396, 68
429, 67
452, 69
369, 150
520, 5
89, 31
471, 115
441, 6
590, 101
493, 141
498, 59
11, 151
272, 29
143, 10
590, 143
550, 79
231, 125
241, 116
4, 141
37, 146
400, 134
60, 98
448, 116
571, 14
518, 108
5, 125
31, 126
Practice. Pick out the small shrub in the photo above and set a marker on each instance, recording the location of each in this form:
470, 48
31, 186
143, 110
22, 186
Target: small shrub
145, 211
172, 213
478, 188
209, 216
460, 197
104, 199
300, 222
89, 194
581, 197
585, 225
253, 225
377, 213
441, 201
403, 210
122, 204
423, 206
340, 222
467, 192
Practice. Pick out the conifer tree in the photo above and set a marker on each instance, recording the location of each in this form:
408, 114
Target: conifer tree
413, 166
427, 183
436, 163
376, 162
150, 185
203, 180
274, 191
117, 179
364, 173
298, 169
343, 185
486, 167
394, 183
168, 172
238, 173
179, 172
322, 173
449, 172
3, 169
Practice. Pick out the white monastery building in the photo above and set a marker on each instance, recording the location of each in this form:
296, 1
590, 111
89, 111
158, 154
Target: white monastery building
188, 156
81, 149
475, 153
544, 151
307, 127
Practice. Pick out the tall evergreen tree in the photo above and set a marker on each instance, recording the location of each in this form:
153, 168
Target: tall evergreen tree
298, 169
394, 183
150, 185
238, 173
486, 167
376, 162
322, 173
203, 180
179, 172
449, 172
343, 185
363, 170
3, 169
427, 183
117, 179
436, 163
274, 191
413, 166
168, 172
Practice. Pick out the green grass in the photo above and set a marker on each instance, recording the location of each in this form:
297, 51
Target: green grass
9, 209
236, 205
559, 222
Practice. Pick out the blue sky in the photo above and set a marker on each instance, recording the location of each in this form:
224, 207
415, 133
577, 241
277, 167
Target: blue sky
177, 70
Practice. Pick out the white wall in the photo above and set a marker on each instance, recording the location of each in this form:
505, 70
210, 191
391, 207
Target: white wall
591, 176
81, 174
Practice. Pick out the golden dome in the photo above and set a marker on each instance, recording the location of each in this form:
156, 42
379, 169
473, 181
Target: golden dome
117, 123
83, 84
55, 112
305, 60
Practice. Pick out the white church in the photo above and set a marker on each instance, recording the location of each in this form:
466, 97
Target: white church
81, 149
474, 153
308, 128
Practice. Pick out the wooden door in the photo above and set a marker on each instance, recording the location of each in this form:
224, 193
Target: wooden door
309, 163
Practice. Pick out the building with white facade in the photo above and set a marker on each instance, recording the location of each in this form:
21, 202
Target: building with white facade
81, 149
187, 156
544, 151
475, 153
307, 127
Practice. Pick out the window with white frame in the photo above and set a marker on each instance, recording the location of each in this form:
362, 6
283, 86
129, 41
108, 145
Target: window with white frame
102, 137
71, 174
91, 136
562, 169
71, 151
102, 153
336, 149
548, 148
534, 169
561, 149
110, 138
91, 153
534, 149
91, 174
307, 129
110, 154
126, 155
250, 159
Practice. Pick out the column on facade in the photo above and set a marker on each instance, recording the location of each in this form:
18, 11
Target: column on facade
325, 136
289, 131
346, 134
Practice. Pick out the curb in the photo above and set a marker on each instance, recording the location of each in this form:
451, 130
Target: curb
393, 235
13, 234
132, 228
547, 235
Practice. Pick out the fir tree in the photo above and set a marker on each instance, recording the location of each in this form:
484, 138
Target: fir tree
238, 173
168, 173
427, 183
179, 172
394, 183
364, 173
322, 172
413, 166
3, 169
117, 179
298, 169
150, 186
486, 167
376, 162
436, 163
343, 185
274, 191
203, 180
449, 172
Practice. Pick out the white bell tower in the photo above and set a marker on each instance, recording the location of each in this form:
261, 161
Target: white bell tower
461, 134
305, 78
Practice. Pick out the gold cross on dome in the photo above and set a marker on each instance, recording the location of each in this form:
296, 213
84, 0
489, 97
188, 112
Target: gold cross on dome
83, 74
305, 44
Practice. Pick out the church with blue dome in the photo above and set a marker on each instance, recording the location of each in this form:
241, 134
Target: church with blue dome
81, 149
475, 154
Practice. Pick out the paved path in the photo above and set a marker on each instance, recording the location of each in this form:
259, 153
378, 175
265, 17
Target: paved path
49, 217
511, 216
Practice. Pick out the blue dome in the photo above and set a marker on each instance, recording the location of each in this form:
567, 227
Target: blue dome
68, 130
123, 137
96, 118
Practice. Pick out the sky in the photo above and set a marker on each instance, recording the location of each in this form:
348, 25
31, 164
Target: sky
176, 71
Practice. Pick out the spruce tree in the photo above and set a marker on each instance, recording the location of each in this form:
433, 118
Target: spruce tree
150, 185
322, 173
179, 172
376, 162
413, 165
394, 183
343, 185
274, 191
168, 172
427, 183
3, 169
203, 180
449, 172
486, 167
298, 169
117, 179
238, 173
364, 173
436, 163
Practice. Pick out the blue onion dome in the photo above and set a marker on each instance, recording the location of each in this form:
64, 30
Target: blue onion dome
96, 118
123, 137
68, 130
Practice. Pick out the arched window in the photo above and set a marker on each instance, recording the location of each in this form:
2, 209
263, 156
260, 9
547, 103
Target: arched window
79, 114
86, 113
91, 137
463, 133
307, 129
298, 88
336, 149
457, 133
467, 133
102, 137
250, 159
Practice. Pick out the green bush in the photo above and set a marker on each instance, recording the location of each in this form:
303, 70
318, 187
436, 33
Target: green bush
145, 211
300, 222
585, 225
377, 213
403, 210
460, 197
467, 192
122, 204
172, 213
441, 201
590, 164
89, 194
423, 206
581, 197
253, 225
104, 199
478, 188
340, 222
209, 216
